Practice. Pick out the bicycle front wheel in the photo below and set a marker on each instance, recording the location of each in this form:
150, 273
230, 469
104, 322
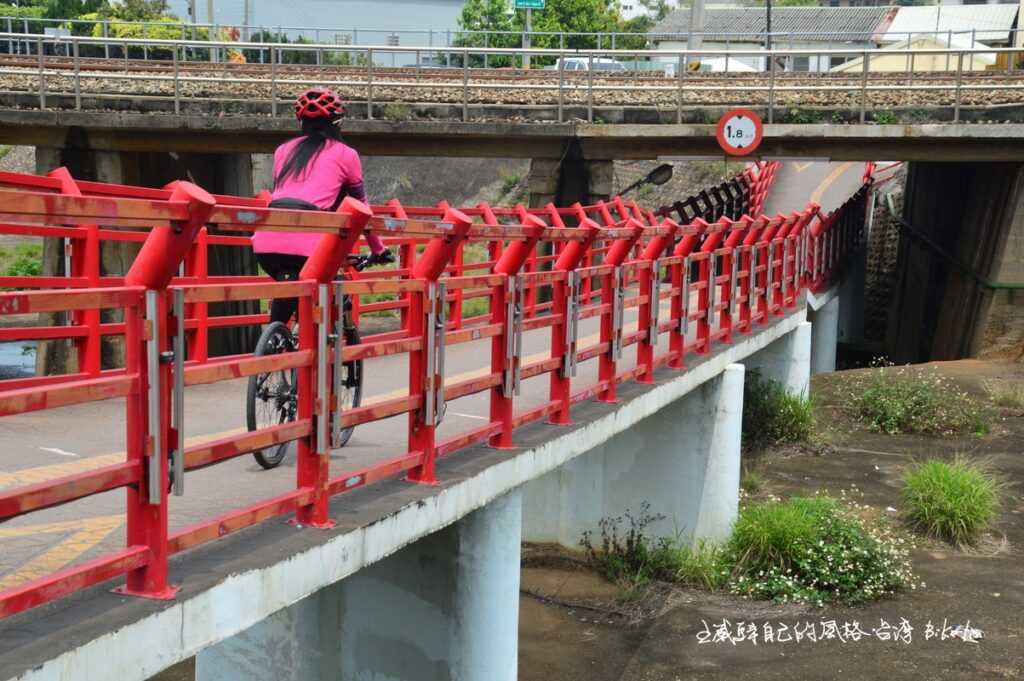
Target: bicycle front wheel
272, 398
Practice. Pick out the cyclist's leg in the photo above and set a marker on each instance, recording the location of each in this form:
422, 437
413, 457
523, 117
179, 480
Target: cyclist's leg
282, 267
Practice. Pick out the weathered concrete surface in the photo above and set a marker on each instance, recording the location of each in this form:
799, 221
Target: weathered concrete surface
824, 336
445, 607
235, 583
786, 360
965, 225
684, 461
132, 131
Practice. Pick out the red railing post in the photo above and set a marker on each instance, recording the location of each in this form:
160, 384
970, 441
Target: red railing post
731, 265
681, 275
748, 289
150, 438
509, 264
197, 266
650, 287
709, 276
429, 267
764, 256
315, 399
607, 363
561, 379
85, 262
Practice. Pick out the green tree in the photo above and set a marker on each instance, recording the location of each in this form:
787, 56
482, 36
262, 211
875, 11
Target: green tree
486, 15
796, 3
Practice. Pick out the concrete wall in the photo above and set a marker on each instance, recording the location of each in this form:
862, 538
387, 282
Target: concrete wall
974, 213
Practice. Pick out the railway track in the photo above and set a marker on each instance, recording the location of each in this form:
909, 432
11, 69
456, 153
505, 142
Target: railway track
98, 80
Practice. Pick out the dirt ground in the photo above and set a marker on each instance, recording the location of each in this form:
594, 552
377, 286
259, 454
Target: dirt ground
575, 626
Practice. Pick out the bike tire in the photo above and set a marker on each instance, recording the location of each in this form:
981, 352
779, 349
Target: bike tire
275, 339
352, 384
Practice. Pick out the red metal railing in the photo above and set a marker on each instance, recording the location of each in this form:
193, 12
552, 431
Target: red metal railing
699, 284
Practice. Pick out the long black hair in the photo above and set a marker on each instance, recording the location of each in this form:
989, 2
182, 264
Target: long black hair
316, 132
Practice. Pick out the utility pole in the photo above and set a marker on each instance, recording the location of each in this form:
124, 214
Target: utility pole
209, 13
246, 19
192, 11
527, 38
768, 30
695, 35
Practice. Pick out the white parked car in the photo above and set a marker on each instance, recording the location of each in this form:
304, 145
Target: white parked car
583, 64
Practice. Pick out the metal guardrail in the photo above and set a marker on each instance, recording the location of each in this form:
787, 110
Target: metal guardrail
744, 273
448, 37
81, 78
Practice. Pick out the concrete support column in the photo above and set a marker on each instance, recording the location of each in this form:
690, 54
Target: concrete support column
443, 608
787, 360
824, 337
262, 172
683, 461
298, 643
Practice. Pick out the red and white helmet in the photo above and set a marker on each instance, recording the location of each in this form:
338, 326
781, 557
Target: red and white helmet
319, 103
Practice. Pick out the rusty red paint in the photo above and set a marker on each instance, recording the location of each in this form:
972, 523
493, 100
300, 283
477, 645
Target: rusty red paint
65, 582
21, 500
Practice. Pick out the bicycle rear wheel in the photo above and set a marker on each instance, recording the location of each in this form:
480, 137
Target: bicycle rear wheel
351, 393
272, 398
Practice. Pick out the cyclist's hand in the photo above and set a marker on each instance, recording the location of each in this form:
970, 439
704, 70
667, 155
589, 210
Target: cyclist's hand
385, 257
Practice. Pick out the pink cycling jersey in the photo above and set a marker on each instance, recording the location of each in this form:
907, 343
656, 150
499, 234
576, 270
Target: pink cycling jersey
334, 170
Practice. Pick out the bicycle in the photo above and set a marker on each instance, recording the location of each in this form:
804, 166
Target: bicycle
272, 397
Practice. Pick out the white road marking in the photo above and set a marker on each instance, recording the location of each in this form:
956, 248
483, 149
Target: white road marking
471, 416
61, 452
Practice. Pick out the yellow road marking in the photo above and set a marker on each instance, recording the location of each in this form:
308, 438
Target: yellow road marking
801, 167
28, 476
83, 535
827, 182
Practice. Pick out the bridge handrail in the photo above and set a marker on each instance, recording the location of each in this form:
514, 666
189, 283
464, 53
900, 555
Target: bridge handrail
726, 279
612, 36
82, 263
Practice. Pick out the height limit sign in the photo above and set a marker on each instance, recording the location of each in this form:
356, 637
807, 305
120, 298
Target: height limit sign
739, 132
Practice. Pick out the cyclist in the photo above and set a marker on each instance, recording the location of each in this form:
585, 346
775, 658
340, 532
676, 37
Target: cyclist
313, 172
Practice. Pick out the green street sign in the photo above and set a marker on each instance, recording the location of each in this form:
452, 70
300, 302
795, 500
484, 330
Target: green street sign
530, 4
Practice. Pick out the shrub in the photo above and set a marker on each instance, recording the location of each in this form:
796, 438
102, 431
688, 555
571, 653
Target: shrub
952, 501
885, 117
23, 266
905, 401
771, 415
808, 549
628, 556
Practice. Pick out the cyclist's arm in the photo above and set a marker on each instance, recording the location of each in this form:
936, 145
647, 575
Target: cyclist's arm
356, 188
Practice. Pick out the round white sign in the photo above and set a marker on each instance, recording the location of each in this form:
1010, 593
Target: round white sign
739, 131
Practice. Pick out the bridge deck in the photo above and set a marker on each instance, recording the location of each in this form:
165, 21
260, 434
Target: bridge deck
633, 134
229, 585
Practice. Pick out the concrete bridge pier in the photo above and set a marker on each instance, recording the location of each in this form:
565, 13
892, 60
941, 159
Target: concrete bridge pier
824, 314
787, 360
445, 607
684, 461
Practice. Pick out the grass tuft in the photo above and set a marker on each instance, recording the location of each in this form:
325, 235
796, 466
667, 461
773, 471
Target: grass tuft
771, 416
953, 501
1006, 393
